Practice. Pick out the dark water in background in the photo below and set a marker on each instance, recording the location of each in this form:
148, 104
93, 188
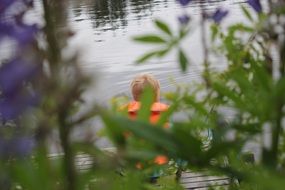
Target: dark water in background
104, 29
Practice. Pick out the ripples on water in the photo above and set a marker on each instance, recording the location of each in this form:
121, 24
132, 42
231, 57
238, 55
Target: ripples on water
104, 30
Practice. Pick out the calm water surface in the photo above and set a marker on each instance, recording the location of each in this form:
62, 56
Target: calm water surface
104, 29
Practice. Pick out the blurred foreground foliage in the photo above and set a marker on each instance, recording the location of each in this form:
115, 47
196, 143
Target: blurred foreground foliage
236, 113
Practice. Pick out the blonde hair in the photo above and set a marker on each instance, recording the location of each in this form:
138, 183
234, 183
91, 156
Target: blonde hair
140, 82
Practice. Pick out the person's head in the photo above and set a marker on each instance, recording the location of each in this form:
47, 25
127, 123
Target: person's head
141, 82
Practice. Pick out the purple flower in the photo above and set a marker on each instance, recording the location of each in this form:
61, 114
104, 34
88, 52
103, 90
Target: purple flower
184, 2
14, 73
15, 95
255, 4
14, 27
23, 33
13, 106
4, 4
16, 146
184, 19
219, 15
5, 30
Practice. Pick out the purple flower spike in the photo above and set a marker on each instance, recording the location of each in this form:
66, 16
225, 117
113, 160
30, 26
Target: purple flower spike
255, 4
25, 34
184, 2
4, 4
13, 106
184, 19
219, 15
5, 30
13, 74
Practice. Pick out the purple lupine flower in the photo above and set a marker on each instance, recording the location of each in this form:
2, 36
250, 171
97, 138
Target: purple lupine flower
25, 34
5, 30
255, 4
14, 73
15, 98
219, 15
4, 4
184, 2
16, 29
184, 19
16, 146
13, 106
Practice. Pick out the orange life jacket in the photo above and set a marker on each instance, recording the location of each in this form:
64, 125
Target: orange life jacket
156, 110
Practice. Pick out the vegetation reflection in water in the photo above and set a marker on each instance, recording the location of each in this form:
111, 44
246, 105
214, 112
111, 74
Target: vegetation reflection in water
115, 12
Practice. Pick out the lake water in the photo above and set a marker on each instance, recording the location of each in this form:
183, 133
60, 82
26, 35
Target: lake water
104, 29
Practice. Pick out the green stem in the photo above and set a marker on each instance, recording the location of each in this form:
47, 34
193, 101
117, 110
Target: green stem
204, 46
54, 14
276, 132
53, 46
69, 167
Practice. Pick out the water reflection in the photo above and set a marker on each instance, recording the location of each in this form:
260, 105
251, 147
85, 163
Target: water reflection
112, 14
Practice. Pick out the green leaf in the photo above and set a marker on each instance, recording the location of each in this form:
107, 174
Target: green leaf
142, 129
183, 32
183, 61
146, 56
279, 90
190, 147
215, 31
163, 27
166, 115
246, 13
114, 132
163, 52
153, 39
146, 99
155, 53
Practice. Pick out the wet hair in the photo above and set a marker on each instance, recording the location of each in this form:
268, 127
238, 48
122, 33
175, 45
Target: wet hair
142, 81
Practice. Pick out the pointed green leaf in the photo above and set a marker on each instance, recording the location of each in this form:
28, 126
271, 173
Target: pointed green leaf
163, 52
146, 56
183, 32
153, 39
146, 99
183, 61
155, 53
163, 27
246, 13
164, 118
